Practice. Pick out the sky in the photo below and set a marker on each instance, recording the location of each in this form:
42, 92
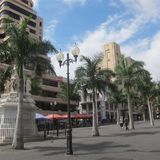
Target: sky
133, 24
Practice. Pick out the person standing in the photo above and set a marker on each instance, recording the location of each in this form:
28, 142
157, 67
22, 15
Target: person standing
121, 122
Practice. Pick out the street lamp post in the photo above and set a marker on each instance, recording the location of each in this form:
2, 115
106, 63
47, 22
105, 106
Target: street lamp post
53, 107
60, 58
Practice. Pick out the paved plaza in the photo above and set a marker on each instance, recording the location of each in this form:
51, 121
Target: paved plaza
113, 144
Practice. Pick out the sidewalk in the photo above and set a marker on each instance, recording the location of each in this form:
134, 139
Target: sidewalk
113, 144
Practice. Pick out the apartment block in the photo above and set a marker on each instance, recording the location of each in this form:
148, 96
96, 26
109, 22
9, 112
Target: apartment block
50, 83
17, 9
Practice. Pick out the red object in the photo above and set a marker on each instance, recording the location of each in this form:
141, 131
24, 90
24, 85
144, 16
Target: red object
56, 116
65, 116
81, 116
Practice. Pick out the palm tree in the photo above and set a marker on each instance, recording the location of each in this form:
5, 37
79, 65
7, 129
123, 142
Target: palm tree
147, 90
128, 73
118, 98
73, 92
95, 78
4, 75
20, 49
40, 63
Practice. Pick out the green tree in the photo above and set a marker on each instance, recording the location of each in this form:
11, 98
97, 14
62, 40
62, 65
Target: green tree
73, 92
4, 75
20, 49
147, 89
117, 98
128, 72
95, 78
35, 86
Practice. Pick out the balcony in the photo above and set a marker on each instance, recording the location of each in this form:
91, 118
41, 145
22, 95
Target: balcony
50, 88
53, 78
3, 66
47, 99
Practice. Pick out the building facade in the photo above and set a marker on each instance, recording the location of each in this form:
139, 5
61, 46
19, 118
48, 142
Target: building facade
49, 83
111, 56
18, 9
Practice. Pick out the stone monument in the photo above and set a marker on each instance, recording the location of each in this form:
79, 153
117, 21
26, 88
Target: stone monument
8, 109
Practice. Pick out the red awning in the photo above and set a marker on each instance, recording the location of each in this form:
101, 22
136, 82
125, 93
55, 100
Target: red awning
65, 116
81, 116
56, 116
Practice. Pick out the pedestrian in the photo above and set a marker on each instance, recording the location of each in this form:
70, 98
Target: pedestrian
126, 123
121, 122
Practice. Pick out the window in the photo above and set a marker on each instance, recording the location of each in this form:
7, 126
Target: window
32, 24
25, 1
32, 31
2, 36
11, 14
50, 83
20, 10
31, 5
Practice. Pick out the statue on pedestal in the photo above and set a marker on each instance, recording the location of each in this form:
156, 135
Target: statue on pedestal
28, 85
12, 84
14, 80
7, 87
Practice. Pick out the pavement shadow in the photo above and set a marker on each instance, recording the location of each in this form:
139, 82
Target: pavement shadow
133, 133
138, 150
111, 158
155, 151
98, 148
49, 150
79, 148
124, 134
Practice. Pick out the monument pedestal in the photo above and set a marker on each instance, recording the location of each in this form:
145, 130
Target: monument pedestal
8, 113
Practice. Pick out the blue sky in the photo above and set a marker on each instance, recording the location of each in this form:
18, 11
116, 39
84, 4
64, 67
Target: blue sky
134, 24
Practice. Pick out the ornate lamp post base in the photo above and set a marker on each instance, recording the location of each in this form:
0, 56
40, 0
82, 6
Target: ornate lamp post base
69, 150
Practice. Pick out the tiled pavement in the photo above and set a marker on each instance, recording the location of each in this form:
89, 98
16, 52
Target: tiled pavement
113, 144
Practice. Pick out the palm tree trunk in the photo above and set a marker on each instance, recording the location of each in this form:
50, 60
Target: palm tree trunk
97, 108
144, 117
95, 131
150, 112
118, 115
18, 133
109, 107
131, 123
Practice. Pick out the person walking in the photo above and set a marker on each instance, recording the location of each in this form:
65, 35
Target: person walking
126, 123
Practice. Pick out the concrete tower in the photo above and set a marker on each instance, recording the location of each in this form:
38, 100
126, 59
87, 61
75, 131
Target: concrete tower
111, 56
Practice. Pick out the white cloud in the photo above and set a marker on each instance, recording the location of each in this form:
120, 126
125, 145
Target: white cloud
50, 29
150, 9
113, 3
106, 32
71, 2
120, 30
36, 2
146, 50
94, 40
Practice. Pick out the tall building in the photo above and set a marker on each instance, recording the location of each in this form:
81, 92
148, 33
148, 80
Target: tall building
111, 55
17, 9
50, 83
